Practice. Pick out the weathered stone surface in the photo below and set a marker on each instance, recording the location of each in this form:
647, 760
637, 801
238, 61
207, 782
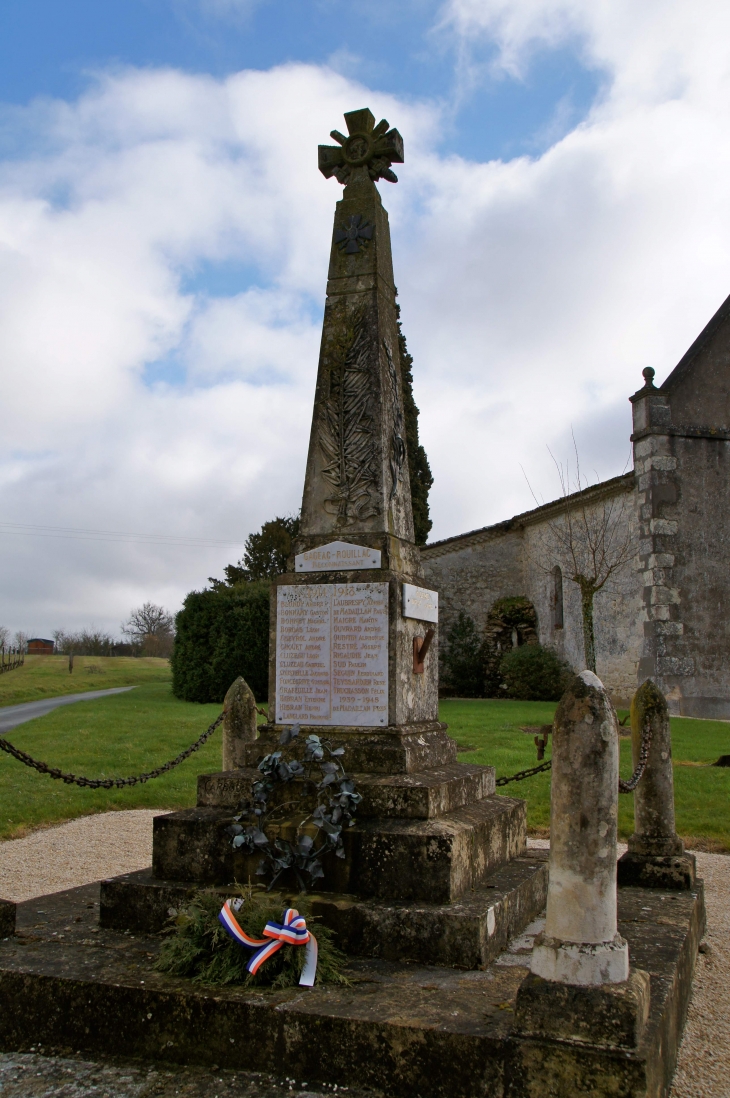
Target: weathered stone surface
405, 1029
226, 789
469, 932
581, 944
655, 857
646, 871
192, 845
434, 860
405, 749
239, 723
7, 918
612, 1015
424, 795
409, 796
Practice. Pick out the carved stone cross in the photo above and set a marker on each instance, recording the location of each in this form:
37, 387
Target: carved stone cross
368, 146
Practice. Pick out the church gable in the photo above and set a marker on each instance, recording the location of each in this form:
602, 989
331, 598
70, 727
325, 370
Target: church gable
698, 389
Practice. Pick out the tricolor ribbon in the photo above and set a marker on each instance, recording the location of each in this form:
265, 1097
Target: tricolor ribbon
292, 930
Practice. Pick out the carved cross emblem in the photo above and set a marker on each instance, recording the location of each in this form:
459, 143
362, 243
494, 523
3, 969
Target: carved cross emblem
367, 146
354, 231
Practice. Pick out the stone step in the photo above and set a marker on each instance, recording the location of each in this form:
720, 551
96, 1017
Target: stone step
469, 933
435, 860
420, 796
402, 749
403, 1029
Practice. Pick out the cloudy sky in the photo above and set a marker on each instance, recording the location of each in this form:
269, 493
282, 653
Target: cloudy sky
561, 221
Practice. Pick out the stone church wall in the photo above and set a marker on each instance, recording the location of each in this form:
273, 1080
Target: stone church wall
518, 557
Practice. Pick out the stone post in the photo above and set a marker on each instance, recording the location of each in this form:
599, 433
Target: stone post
581, 944
656, 857
580, 987
239, 723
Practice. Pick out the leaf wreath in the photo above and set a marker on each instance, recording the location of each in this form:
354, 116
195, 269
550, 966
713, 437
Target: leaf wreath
321, 774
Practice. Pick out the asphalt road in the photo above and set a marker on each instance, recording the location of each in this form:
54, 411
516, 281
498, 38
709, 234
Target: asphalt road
13, 715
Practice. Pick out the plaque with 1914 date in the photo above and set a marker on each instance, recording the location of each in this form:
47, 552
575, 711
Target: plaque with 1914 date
332, 654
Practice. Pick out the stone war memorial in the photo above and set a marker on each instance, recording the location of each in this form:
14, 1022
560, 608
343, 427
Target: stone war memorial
475, 967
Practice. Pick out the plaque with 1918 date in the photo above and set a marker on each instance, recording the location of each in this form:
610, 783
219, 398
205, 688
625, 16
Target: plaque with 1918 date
332, 654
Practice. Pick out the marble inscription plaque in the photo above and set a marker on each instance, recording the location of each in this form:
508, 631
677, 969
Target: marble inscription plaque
332, 654
420, 603
337, 556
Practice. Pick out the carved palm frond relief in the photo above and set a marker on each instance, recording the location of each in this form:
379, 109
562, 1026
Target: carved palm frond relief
347, 437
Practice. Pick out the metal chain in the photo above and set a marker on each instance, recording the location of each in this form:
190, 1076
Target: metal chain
623, 786
522, 774
631, 784
109, 783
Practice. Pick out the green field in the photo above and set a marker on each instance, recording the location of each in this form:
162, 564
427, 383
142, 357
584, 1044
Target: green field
48, 676
488, 732
129, 733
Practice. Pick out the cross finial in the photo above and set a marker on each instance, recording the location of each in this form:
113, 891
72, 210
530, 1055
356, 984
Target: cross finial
367, 146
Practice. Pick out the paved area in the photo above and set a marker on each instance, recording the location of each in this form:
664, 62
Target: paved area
13, 715
76, 853
93, 847
30, 1075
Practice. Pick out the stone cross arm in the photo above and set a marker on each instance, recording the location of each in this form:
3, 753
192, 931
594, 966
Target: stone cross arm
366, 146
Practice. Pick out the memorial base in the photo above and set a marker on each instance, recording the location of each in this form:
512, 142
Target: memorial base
647, 871
401, 1029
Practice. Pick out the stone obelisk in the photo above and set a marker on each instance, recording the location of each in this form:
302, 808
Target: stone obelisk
353, 627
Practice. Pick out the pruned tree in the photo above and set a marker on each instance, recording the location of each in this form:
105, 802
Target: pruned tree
592, 539
151, 629
265, 554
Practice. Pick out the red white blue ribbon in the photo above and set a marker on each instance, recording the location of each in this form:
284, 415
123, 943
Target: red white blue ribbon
292, 930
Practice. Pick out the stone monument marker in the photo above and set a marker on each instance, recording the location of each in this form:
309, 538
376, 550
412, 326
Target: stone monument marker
345, 618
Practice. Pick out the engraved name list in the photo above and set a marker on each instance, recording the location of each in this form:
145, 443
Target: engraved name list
332, 654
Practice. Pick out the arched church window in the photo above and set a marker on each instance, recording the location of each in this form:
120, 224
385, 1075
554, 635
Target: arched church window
557, 597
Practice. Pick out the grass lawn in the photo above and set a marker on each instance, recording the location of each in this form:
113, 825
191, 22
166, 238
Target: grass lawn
47, 676
488, 732
130, 733
111, 737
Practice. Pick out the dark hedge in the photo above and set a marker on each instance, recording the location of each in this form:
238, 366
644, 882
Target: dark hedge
219, 635
534, 673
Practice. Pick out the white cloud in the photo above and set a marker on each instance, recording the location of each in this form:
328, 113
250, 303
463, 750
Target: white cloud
533, 291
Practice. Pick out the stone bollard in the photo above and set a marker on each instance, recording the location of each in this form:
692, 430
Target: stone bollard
656, 857
581, 944
580, 988
239, 723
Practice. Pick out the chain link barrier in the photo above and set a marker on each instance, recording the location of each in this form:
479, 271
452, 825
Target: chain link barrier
109, 783
623, 786
631, 784
522, 774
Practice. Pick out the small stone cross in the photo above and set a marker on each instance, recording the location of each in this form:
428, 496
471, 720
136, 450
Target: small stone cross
354, 231
367, 146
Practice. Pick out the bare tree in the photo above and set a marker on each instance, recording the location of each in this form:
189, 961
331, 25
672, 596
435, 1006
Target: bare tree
592, 539
20, 641
4, 636
150, 627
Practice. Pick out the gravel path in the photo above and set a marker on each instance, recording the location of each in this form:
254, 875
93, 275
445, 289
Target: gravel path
13, 715
76, 853
93, 847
